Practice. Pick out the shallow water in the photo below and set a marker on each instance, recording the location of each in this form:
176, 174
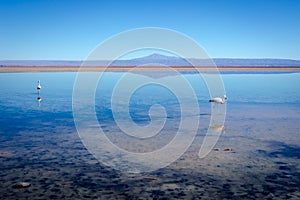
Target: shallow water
40, 144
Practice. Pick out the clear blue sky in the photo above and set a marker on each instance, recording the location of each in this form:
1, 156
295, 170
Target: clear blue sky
70, 29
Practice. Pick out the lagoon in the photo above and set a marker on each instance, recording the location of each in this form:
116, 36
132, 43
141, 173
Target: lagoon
40, 144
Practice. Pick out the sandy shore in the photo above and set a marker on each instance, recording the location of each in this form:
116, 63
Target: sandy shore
4, 69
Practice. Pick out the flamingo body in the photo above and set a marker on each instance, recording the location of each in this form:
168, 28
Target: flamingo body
218, 100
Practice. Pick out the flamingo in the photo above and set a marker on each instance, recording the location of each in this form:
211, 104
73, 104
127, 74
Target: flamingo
218, 100
39, 86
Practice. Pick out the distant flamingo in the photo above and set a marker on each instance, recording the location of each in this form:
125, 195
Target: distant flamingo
218, 100
39, 86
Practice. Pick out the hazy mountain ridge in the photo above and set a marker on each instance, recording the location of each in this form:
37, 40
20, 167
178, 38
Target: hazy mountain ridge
161, 60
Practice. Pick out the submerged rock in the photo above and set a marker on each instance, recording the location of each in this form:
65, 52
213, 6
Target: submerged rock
150, 178
22, 185
4, 153
228, 149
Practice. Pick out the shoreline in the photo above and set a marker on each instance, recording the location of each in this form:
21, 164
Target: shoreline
10, 69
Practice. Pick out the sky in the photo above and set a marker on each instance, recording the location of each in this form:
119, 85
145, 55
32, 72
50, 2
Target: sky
71, 29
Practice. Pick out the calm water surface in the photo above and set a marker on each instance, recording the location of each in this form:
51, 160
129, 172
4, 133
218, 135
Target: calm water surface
40, 144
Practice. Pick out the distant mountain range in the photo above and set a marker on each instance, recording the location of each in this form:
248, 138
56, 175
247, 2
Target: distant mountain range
158, 59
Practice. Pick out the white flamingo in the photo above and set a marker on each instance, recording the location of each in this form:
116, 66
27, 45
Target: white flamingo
39, 86
218, 100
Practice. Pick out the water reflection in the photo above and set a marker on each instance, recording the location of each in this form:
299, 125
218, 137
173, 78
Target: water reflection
39, 98
218, 128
